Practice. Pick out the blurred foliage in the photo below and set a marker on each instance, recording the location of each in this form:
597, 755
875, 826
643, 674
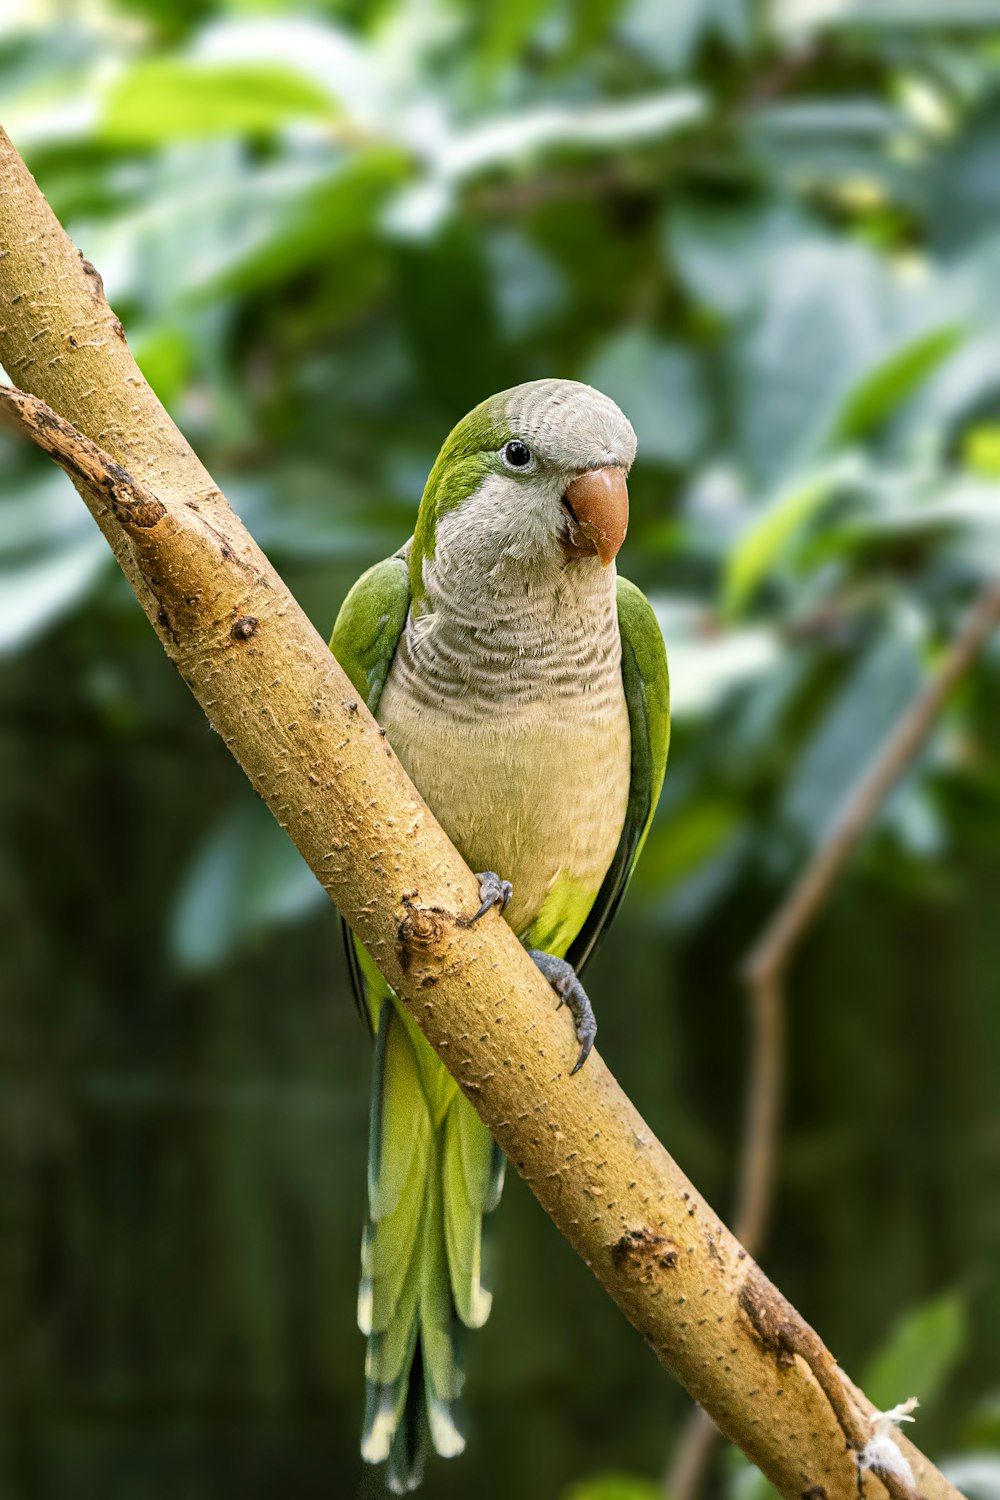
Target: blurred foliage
772, 232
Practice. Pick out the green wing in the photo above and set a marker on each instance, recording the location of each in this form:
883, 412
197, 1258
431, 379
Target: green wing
647, 694
364, 641
369, 626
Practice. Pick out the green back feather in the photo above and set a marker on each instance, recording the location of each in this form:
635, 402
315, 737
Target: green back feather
369, 625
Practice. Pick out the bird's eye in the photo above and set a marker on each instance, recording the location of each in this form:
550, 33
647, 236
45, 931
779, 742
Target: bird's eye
515, 454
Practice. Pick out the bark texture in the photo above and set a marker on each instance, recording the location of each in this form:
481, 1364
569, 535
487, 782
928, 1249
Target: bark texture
290, 717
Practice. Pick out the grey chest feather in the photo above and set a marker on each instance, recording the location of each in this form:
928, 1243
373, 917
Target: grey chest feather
513, 726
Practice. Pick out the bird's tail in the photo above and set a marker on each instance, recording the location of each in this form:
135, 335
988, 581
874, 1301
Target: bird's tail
433, 1172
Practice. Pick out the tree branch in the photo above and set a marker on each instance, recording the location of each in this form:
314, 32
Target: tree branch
769, 959
290, 717
767, 964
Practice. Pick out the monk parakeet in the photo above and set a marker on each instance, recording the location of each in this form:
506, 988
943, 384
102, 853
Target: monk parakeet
524, 688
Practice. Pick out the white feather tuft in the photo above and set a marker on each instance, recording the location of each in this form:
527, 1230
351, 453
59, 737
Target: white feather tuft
404, 1486
882, 1454
482, 1301
365, 1305
377, 1440
447, 1440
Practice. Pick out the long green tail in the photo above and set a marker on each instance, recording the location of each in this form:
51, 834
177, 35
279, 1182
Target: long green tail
433, 1172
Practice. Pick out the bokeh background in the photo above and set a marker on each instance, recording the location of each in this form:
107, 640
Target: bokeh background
772, 233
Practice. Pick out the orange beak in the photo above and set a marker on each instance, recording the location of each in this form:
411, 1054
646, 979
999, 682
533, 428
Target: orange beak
597, 504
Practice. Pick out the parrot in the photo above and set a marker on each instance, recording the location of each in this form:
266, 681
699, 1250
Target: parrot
523, 686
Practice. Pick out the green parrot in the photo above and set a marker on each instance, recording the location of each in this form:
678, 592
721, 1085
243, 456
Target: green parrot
524, 688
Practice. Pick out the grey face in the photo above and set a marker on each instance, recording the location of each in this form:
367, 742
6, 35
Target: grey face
574, 447
553, 490
569, 426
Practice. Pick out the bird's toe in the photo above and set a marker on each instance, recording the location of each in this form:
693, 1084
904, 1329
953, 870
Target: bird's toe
492, 892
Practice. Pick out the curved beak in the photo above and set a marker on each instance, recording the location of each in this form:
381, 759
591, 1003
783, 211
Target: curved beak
597, 506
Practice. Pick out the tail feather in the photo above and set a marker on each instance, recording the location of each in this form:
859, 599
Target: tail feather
440, 1330
388, 1248
433, 1172
467, 1169
384, 1404
483, 1163
400, 1123
405, 1467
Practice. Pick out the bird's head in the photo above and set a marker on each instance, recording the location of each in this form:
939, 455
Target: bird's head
537, 472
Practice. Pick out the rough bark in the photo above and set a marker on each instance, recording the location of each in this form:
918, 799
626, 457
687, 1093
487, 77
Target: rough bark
288, 714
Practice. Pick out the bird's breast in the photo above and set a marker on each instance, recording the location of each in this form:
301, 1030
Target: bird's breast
531, 785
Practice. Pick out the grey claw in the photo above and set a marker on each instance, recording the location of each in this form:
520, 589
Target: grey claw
562, 977
492, 892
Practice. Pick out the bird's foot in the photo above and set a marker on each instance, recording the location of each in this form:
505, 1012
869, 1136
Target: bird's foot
492, 892
562, 977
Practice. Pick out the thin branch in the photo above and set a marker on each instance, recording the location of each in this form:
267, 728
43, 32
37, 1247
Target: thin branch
766, 967
289, 715
689, 1462
785, 75
769, 959
95, 471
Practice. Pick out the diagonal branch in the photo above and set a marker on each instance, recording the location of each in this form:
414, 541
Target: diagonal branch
766, 967
768, 962
288, 714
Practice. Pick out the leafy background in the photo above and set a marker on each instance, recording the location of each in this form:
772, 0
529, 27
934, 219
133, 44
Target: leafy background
772, 233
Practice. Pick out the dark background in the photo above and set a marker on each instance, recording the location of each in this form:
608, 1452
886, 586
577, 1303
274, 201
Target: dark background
772, 233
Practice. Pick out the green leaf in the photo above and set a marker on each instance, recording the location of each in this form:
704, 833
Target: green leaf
920, 1353
981, 1425
725, 252
517, 141
219, 224
679, 845
881, 390
36, 593
853, 728
673, 34
795, 15
51, 555
981, 451
744, 1481
164, 355
511, 139
162, 100
247, 876
770, 535
975, 1474
706, 665
507, 33
860, 117
528, 287
333, 217
967, 506
613, 1487
828, 314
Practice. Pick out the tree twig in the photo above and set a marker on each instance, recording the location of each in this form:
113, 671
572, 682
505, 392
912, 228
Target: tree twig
286, 711
766, 966
769, 959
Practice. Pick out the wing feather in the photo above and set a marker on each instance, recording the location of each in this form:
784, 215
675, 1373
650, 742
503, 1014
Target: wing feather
364, 641
370, 623
647, 696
